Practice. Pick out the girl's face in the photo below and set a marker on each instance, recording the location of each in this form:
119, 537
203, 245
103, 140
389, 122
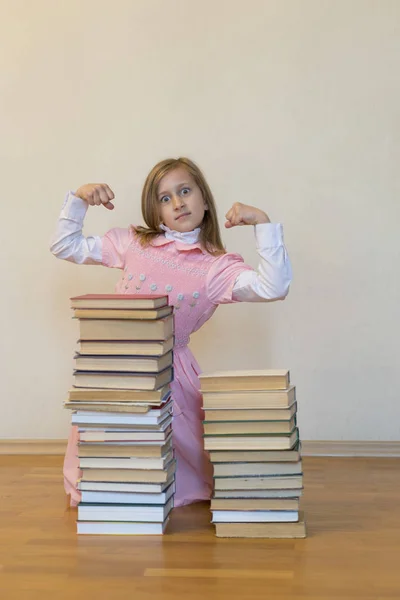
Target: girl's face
181, 202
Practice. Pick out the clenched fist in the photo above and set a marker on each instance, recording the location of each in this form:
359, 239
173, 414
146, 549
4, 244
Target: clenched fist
242, 214
96, 194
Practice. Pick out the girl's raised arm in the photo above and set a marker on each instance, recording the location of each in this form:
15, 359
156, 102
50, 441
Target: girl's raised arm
68, 241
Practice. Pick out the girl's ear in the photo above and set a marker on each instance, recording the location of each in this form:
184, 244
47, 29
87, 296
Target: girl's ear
205, 206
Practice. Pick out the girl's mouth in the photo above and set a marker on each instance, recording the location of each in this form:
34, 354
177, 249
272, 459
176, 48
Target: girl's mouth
182, 215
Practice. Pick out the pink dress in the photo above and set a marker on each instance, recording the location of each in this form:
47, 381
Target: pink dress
196, 283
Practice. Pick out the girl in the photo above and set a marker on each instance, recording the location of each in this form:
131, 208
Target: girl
179, 253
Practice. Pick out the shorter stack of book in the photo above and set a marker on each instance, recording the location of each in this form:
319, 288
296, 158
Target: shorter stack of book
122, 405
251, 433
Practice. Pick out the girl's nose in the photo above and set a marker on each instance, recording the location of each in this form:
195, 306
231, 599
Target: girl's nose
177, 202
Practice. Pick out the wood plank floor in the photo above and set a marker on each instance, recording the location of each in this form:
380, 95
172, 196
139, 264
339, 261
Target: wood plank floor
352, 550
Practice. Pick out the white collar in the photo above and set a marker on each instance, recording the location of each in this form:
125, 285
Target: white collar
187, 237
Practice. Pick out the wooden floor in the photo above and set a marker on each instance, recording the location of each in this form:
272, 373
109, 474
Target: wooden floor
352, 550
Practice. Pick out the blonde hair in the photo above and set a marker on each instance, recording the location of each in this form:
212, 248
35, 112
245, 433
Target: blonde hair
210, 237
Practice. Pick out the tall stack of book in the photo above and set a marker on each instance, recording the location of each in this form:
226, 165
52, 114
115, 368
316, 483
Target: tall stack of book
122, 405
251, 433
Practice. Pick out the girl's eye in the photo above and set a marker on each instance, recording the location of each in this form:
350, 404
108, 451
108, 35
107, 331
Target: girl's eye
164, 199
185, 191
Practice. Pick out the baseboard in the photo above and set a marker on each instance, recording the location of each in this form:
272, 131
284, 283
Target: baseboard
348, 448
50, 447
309, 448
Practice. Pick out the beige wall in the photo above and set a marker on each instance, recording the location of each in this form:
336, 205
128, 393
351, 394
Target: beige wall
289, 105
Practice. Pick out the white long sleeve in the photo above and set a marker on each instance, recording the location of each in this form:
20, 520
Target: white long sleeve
68, 241
272, 279
269, 282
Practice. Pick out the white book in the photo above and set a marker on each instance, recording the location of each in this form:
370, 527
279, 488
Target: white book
114, 418
245, 373
129, 444
122, 363
130, 462
142, 513
255, 516
293, 493
266, 379
251, 442
129, 348
258, 483
265, 469
117, 434
95, 406
118, 528
128, 498
122, 436
117, 486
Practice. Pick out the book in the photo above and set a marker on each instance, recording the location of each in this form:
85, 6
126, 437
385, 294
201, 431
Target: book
125, 487
84, 424
255, 399
120, 329
267, 379
230, 456
130, 475
142, 364
253, 494
115, 435
254, 504
254, 516
139, 301
111, 418
214, 415
120, 528
127, 497
124, 347
258, 483
120, 407
119, 313
125, 449
264, 469
262, 530
138, 397
250, 427
124, 512
247, 442
126, 381
130, 462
